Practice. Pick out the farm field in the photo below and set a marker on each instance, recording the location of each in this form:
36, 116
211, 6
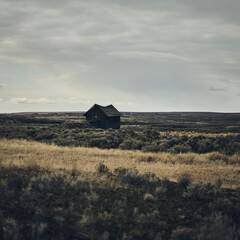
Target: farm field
161, 176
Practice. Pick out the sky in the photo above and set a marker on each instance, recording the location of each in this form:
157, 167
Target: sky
139, 55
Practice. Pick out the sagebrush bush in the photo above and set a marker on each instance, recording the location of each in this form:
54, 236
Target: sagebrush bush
80, 185
199, 191
183, 233
147, 159
150, 177
184, 180
102, 168
148, 197
132, 177
120, 171
165, 181
217, 227
15, 181
152, 147
131, 144
123, 205
216, 156
160, 191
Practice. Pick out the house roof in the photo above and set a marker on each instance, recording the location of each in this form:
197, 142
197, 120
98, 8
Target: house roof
109, 111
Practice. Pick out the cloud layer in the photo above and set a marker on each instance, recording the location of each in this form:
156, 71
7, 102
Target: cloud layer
31, 101
177, 55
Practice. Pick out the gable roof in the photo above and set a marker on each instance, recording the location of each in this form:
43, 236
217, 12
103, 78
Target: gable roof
109, 111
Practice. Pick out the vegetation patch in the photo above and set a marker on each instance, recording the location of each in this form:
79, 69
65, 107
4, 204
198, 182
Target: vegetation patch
62, 179
123, 204
148, 132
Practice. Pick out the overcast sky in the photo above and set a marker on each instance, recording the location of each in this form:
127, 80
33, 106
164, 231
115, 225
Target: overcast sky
140, 55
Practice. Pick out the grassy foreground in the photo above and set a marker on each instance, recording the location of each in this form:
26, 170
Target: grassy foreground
53, 192
209, 167
39, 204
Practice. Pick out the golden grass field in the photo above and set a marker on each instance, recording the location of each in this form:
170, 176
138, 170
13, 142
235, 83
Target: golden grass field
204, 167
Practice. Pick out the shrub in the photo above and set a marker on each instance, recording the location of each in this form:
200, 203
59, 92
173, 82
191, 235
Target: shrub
15, 181
102, 168
205, 145
233, 147
146, 159
180, 148
198, 191
131, 144
163, 146
165, 181
80, 185
132, 177
184, 180
38, 187
218, 183
224, 206
182, 233
11, 229
215, 156
120, 171
217, 227
153, 147
98, 142
148, 197
150, 177
160, 191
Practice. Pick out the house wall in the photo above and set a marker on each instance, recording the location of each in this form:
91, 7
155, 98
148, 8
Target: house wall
95, 115
112, 122
98, 119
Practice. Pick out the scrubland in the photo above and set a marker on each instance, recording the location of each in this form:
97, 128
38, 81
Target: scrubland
158, 177
38, 203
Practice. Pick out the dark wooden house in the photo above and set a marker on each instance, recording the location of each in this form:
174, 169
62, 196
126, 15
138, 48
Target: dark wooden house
103, 117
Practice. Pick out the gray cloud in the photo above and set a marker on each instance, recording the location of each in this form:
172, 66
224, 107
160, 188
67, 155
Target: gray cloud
141, 49
25, 100
217, 89
62, 32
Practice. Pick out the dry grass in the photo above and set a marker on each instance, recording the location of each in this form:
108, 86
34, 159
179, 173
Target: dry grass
196, 134
205, 167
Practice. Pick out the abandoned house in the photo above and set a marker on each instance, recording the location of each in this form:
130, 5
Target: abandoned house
103, 117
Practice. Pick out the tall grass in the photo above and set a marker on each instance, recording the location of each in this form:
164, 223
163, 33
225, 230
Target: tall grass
204, 167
